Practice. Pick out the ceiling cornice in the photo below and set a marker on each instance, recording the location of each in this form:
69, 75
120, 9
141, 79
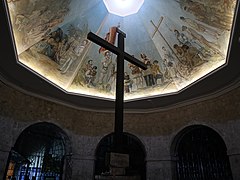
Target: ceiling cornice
22, 79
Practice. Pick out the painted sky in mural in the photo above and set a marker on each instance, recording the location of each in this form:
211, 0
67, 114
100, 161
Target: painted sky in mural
179, 41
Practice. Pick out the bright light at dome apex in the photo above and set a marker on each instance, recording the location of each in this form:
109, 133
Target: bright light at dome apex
123, 7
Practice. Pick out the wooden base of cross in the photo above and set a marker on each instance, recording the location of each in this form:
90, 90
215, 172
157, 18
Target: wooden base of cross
119, 102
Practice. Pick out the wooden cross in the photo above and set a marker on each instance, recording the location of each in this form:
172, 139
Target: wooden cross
121, 55
157, 27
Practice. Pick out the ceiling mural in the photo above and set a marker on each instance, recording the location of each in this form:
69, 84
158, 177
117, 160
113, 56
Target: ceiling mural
180, 41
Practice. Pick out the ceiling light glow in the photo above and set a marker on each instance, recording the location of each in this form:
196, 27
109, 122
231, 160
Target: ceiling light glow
123, 7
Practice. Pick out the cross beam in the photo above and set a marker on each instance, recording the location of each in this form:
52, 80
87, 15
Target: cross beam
121, 55
116, 50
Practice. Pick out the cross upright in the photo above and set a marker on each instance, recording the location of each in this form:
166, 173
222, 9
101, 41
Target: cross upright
121, 55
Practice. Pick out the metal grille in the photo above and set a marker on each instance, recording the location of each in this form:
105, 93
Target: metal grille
45, 163
39, 154
202, 156
132, 146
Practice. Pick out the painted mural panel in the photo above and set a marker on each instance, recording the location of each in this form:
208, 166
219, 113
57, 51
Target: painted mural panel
180, 41
57, 54
178, 47
32, 19
102, 64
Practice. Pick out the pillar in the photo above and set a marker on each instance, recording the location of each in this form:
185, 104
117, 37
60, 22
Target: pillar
4, 153
82, 167
159, 169
235, 164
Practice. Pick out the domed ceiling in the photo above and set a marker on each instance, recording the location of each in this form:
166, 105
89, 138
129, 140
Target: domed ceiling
181, 41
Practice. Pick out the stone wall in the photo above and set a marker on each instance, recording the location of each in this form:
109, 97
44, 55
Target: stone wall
85, 129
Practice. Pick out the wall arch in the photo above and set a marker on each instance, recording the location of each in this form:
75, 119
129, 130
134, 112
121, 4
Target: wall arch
199, 152
178, 135
41, 150
132, 146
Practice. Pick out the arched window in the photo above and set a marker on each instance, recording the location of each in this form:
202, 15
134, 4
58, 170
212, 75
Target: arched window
200, 154
42, 151
132, 147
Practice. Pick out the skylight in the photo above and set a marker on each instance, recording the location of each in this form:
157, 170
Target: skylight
123, 7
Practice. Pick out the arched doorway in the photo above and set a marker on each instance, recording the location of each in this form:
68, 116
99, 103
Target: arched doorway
199, 153
133, 147
41, 152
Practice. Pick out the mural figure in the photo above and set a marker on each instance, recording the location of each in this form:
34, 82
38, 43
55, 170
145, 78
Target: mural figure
211, 15
193, 56
78, 49
81, 76
157, 73
171, 63
73, 53
90, 76
54, 40
201, 28
112, 79
60, 54
181, 37
71, 57
127, 83
21, 21
147, 74
137, 76
167, 54
107, 75
87, 75
184, 40
196, 36
103, 75
167, 73
172, 68
49, 45
184, 61
189, 56
88, 65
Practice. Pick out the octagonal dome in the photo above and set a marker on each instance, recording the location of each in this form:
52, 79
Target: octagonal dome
123, 7
181, 42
